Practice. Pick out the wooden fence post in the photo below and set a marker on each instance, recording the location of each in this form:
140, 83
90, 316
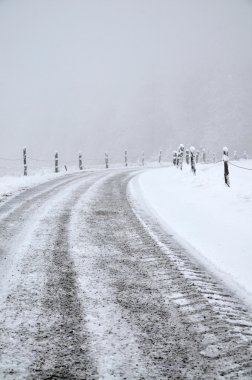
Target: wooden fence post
174, 157
187, 157
25, 161
226, 171
126, 158
180, 156
193, 165
106, 160
160, 157
143, 159
197, 156
56, 162
80, 162
204, 155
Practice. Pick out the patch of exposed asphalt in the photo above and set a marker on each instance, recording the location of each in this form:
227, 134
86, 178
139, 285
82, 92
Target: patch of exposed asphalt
63, 353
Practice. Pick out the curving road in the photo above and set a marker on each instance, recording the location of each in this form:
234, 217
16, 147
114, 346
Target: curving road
92, 288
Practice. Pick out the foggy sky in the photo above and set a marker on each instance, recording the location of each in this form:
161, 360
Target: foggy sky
109, 75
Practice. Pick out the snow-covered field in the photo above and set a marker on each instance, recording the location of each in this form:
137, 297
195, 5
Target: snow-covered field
212, 221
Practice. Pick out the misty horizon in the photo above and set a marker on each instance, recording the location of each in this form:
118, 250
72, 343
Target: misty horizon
97, 77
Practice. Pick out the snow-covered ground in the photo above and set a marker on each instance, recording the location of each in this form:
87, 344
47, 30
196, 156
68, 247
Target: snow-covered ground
12, 185
212, 221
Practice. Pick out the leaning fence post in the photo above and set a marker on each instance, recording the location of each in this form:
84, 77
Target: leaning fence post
126, 158
56, 162
25, 161
226, 171
106, 160
193, 165
80, 162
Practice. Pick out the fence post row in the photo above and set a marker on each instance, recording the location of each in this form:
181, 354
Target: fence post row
80, 162
191, 157
226, 171
25, 161
56, 162
193, 165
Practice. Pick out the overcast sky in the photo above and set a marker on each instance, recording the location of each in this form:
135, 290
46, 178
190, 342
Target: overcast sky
105, 75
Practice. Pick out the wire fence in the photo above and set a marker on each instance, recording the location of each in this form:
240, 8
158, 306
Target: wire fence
193, 157
37, 165
240, 167
9, 159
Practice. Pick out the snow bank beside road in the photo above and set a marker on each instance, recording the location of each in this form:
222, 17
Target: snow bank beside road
212, 220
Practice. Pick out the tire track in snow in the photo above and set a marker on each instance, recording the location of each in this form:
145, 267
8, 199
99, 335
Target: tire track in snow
113, 345
42, 332
100, 293
64, 350
160, 336
184, 322
221, 322
19, 214
22, 202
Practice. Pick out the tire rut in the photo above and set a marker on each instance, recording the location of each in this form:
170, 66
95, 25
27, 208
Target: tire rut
42, 321
102, 292
64, 350
187, 324
27, 194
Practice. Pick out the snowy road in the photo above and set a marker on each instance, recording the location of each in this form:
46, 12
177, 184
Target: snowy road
92, 288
